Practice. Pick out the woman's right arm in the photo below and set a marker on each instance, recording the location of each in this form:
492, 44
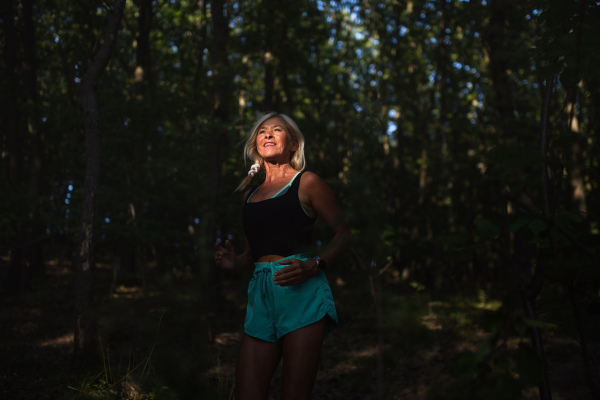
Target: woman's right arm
226, 258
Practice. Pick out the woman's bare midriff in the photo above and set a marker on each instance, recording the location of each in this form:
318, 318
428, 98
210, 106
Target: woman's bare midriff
270, 258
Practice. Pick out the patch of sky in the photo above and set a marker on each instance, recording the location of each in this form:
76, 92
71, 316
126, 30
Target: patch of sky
44, 119
391, 128
77, 80
359, 53
392, 113
107, 220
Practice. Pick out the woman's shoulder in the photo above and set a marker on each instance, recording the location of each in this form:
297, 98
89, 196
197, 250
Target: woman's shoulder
309, 177
311, 181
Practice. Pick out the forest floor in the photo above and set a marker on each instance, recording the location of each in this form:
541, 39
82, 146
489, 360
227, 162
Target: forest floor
178, 339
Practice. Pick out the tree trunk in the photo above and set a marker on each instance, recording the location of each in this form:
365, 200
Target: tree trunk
35, 231
220, 28
525, 287
12, 278
131, 270
85, 320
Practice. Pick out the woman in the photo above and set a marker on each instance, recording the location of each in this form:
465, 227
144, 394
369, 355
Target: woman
290, 307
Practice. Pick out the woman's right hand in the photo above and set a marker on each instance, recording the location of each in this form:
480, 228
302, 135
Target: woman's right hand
225, 256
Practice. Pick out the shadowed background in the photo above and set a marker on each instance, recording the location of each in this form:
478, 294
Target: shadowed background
460, 138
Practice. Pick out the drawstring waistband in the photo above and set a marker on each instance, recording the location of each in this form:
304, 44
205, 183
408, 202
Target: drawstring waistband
271, 267
275, 266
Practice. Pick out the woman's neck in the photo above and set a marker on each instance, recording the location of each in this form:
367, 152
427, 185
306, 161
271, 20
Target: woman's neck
275, 171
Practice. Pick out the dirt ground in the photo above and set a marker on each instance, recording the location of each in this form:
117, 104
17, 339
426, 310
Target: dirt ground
178, 339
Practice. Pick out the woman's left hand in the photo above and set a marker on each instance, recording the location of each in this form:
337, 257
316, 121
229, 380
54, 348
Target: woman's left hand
296, 272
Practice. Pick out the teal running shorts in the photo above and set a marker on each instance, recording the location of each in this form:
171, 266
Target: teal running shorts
275, 310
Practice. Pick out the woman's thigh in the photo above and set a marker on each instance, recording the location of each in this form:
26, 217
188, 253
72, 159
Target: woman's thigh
301, 353
256, 364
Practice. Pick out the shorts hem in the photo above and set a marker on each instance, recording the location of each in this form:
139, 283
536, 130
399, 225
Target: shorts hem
257, 336
330, 326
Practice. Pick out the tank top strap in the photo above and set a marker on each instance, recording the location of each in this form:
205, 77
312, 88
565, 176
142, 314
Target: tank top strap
296, 182
250, 193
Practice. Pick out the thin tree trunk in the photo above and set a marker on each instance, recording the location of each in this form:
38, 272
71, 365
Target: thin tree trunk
13, 276
85, 321
496, 48
131, 269
222, 79
34, 244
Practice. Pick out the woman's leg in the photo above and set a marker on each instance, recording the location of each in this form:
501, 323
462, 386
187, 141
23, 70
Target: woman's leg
301, 353
256, 364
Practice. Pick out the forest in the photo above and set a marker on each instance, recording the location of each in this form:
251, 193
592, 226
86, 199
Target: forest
460, 137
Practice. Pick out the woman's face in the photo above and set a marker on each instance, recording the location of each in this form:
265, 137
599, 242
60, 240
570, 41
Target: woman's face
272, 142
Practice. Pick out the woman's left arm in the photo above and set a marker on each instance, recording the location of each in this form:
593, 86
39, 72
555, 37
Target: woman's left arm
320, 199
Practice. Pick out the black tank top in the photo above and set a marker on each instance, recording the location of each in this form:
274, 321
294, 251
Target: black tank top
277, 225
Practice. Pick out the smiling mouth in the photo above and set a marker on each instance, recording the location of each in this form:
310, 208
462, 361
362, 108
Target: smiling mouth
269, 144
